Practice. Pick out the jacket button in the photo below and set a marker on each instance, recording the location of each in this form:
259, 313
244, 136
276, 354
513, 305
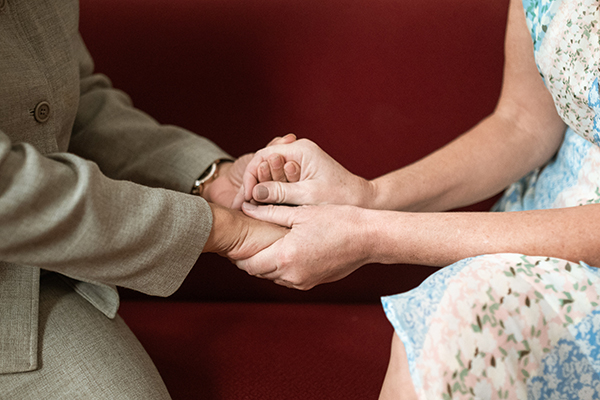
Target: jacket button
42, 111
3, 4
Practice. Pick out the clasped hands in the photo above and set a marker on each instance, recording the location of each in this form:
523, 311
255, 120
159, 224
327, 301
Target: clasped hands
305, 227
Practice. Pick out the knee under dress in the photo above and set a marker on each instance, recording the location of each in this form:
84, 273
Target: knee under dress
512, 326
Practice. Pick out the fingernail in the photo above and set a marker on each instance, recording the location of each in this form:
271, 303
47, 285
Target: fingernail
248, 206
262, 193
276, 160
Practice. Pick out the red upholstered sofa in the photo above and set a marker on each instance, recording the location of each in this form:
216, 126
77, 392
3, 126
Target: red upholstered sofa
377, 83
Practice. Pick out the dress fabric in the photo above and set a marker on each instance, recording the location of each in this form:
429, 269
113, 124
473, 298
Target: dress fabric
512, 326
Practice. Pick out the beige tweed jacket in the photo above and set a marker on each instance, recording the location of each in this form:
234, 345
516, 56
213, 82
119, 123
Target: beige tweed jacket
90, 187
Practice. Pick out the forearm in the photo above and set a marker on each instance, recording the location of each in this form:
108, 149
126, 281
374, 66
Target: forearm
522, 134
440, 239
475, 166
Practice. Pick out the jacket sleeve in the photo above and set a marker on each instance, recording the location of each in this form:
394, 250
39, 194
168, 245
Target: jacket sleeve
60, 213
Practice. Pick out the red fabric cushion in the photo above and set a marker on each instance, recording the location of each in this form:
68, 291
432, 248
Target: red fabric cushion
237, 351
377, 83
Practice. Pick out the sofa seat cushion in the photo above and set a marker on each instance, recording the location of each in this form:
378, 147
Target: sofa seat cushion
264, 351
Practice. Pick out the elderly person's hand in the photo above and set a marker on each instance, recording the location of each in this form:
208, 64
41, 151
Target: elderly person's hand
226, 186
325, 244
322, 180
237, 236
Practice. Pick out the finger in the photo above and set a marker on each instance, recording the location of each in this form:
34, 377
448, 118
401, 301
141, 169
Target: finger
271, 275
238, 200
275, 276
283, 282
261, 264
276, 165
258, 266
250, 177
292, 171
280, 282
264, 172
281, 193
280, 215
289, 138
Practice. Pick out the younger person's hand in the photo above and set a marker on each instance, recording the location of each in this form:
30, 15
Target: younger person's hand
226, 186
324, 244
320, 179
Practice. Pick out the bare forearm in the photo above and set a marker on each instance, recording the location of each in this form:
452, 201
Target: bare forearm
443, 238
523, 133
475, 166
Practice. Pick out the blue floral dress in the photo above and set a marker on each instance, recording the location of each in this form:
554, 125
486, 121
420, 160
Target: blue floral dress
511, 326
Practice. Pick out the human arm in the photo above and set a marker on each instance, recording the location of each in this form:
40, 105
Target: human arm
442, 238
524, 128
60, 211
522, 134
129, 145
327, 243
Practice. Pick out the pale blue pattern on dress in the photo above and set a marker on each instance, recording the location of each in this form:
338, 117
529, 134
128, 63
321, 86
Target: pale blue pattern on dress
539, 13
539, 190
594, 102
570, 370
410, 312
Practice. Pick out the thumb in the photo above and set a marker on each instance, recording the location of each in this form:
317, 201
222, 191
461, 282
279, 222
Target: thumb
275, 192
289, 138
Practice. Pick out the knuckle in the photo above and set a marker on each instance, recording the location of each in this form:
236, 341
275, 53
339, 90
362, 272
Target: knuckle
300, 282
271, 211
279, 195
294, 280
262, 155
250, 270
308, 143
296, 169
287, 258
